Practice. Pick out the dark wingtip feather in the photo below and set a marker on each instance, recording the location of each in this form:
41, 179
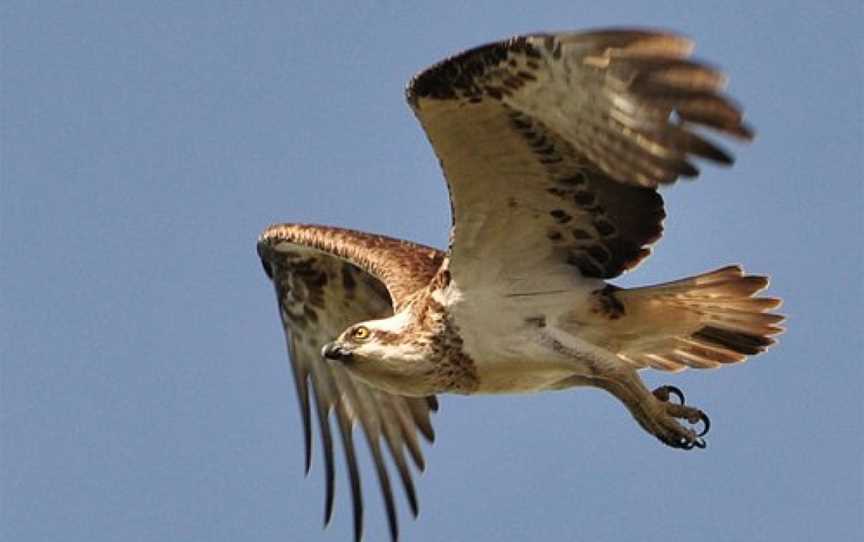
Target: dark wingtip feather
711, 151
737, 341
408, 484
307, 459
745, 132
390, 505
329, 469
727, 121
386, 487
686, 169
301, 383
353, 476
394, 436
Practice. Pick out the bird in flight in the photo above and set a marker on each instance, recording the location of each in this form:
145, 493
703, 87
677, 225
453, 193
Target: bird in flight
553, 147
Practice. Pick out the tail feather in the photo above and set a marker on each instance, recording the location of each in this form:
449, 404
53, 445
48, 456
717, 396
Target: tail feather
696, 355
737, 320
703, 321
746, 304
737, 341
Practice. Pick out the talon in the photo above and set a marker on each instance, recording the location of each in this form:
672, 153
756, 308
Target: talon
674, 423
707, 423
663, 393
689, 444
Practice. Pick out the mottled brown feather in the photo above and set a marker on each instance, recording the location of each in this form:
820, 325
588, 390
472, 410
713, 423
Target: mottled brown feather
402, 266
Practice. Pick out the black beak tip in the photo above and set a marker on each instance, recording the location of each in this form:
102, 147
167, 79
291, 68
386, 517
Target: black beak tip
328, 351
335, 352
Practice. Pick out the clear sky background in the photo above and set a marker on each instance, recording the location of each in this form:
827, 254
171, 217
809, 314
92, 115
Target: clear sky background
146, 392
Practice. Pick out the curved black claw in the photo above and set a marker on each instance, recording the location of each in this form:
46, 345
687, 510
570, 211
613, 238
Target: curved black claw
690, 444
707, 426
663, 393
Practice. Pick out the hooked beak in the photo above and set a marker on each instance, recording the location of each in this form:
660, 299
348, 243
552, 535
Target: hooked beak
336, 352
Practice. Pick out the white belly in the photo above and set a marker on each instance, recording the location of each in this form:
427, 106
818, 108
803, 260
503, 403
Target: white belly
520, 377
538, 361
516, 347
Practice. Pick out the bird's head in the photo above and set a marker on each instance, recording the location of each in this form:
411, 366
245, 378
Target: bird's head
388, 354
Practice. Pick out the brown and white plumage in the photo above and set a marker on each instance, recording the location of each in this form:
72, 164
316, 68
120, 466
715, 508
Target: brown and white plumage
553, 147
320, 294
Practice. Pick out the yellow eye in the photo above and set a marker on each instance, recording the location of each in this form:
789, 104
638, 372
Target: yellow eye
361, 333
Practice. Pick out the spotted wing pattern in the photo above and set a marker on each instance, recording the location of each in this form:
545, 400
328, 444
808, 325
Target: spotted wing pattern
324, 283
553, 146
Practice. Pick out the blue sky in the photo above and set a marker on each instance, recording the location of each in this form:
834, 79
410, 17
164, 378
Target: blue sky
145, 391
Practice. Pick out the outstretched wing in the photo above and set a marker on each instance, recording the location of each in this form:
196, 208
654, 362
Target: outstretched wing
327, 279
553, 145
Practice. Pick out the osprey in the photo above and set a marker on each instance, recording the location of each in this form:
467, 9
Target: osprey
553, 146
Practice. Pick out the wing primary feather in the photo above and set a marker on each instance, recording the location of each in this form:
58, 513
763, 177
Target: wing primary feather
368, 414
301, 383
624, 157
421, 417
677, 136
405, 476
393, 435
353, 472
386, 488
409, 434
710, 104
678, 73
323, 412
